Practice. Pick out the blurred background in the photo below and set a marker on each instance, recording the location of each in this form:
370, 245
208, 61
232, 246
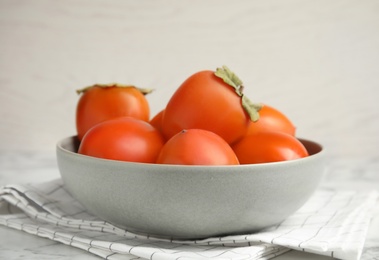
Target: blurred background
316, 61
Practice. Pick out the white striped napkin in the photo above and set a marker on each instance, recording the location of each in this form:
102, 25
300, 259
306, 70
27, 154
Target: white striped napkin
332, 223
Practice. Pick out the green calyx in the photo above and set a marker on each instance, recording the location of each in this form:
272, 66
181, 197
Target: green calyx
233, 80
144, 91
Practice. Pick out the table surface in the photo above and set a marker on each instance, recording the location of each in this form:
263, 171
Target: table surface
31, 167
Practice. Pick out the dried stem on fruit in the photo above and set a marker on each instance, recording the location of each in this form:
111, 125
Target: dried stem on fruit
233, 80
144, 91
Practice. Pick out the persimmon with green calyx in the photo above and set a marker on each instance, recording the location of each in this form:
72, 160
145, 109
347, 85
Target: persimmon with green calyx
267, 147
213, 101
101, 102
197, 147
271, 119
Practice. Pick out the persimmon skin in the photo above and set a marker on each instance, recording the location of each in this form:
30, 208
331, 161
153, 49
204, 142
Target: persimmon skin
156, 121
271, 119
267, 147
123, 139
197, 147
205, 101
98, 104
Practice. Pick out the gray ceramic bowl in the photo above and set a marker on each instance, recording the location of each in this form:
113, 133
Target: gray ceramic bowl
187, 202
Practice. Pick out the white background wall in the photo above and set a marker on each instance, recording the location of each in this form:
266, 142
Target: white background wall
317, 61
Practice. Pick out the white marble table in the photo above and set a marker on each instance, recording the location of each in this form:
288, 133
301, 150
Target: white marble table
31, 167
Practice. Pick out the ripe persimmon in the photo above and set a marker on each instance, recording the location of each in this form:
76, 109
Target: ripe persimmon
99, 103
265, 147
213, 101
123, 139
197, 147
271, 119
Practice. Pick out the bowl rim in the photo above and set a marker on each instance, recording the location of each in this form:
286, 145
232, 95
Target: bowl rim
75, 141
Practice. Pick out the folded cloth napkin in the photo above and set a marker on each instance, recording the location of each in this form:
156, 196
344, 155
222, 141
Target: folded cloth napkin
332, 223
